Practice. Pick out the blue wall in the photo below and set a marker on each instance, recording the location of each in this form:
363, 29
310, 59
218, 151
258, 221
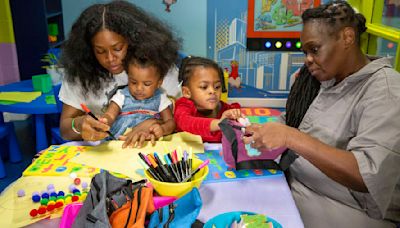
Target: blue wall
187, 19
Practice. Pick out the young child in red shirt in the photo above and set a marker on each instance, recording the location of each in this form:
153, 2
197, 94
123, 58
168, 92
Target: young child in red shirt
200, 109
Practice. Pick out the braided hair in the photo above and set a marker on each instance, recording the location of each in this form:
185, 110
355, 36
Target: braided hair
337, 14
147, 36
190, 63
304, 89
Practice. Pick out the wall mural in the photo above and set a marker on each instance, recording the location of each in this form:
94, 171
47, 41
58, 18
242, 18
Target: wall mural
256, 78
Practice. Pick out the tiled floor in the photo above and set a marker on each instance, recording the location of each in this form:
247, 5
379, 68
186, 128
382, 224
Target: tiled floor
26, 141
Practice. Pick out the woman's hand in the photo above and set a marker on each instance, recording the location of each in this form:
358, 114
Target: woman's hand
266, 136
93, 130
77, 125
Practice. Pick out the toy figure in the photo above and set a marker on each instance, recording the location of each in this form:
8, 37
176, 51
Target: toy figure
234, 79
168, 4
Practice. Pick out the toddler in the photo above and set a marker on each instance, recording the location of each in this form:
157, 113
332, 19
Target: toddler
142, 99
200, 109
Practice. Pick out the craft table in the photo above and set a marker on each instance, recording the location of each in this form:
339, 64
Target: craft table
270, 196
38, 108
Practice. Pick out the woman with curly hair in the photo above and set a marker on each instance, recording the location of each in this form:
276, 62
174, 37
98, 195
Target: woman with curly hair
93, 57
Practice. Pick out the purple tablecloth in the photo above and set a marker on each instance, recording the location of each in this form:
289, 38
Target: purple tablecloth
270, 196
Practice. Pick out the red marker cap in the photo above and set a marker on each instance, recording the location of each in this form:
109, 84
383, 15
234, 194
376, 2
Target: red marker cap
85, 108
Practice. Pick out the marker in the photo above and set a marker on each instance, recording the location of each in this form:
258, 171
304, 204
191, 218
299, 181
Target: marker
186, 163
164, 176
87, 110
174, 167
147, 162
171, 168
190, 158
147, 168
176, 162
165, 170
197, 170
180, 161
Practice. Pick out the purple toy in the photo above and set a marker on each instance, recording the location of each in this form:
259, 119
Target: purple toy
239, 156
21, 193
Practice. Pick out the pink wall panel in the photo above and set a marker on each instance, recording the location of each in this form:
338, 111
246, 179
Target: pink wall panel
8, 63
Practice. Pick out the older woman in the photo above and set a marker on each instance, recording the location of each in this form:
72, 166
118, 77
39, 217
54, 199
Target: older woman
348, 142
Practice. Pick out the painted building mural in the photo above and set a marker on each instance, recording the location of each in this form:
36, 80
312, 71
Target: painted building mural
263, 74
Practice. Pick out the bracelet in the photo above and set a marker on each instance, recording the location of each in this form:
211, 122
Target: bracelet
73, 127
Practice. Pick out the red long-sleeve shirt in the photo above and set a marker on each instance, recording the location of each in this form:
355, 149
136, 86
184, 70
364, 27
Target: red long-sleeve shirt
188, 119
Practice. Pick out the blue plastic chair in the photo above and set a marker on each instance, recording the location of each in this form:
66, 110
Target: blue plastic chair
56, 138
7, 134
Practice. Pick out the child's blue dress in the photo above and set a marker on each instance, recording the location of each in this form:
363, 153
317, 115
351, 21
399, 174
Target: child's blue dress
135, 111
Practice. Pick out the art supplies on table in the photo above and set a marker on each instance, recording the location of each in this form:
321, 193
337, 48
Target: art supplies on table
179, 189
14, 97
55, 161
112, 157
177, 171
20, 211
219, 171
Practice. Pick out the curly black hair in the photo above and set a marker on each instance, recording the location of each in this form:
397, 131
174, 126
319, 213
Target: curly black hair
337, 14
189, 64
131, 59
147, 37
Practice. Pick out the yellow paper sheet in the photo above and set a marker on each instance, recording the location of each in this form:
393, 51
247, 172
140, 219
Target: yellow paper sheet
14, 210
19, 96
54, 161
112, 157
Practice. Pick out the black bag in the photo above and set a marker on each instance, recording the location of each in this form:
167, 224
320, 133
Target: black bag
107, 194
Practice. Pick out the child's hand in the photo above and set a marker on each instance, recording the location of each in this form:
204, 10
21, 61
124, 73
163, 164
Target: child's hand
135, 139
232, 114
156, 132
104, 120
